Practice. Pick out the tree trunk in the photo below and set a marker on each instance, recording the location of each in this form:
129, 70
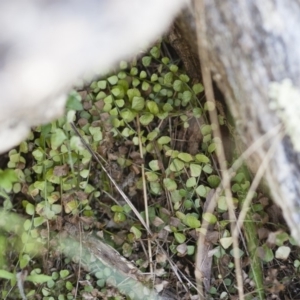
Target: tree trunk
254, 56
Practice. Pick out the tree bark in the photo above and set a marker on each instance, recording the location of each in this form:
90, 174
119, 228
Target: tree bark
254, 56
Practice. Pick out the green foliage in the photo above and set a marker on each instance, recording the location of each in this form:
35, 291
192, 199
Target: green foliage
57, 177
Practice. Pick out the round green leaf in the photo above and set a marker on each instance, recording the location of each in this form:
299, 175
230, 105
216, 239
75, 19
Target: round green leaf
186, 157
184, 78
207, 169
156, 87
154, 165
64, 273
127, 115
164, 140
209, 217
205, 129
117, 208
153, 135
118, 92
173, 68
167, 107
170, 184
191, 221
222, 203
137, 233
57, 138
177, 85
240, 253
30, 209
176, 165
119, 103
165, 60
180, 238
38, 221
143, 75
155, 188
191, 182
138, 103
214, 181
198, 88
102, 84
145, 86
155, 52
209, 106
201, 191
153, 108
113, 79
154, 77
202, 158
133, 93
146, 61
151, 176
186, 96
226, 242
195, 170
74, 101
135, 82
212, 147
119, 217
168, 78
134, 71
146, 119
123, 65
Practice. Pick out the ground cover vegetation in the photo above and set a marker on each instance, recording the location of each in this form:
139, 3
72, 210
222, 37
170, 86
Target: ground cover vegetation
132, 167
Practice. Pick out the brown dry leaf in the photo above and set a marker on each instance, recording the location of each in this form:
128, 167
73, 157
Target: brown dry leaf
157, 222
82, 122
212, 236
135, 169
80, 195
99, 104
181, 250
271, 282
175, 222
161, 258
87, 220
87, 105
60, 171
123, 150
264, 201
275, 214
263, 233
105, 121
56, 224
112, 156
83, 94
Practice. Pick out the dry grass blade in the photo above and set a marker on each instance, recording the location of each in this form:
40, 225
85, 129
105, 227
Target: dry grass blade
207, 81
250, 228
145, 195
251, 149
255, 183
20, 283
203, 261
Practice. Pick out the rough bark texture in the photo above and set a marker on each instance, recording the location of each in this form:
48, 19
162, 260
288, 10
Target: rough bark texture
253, 44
